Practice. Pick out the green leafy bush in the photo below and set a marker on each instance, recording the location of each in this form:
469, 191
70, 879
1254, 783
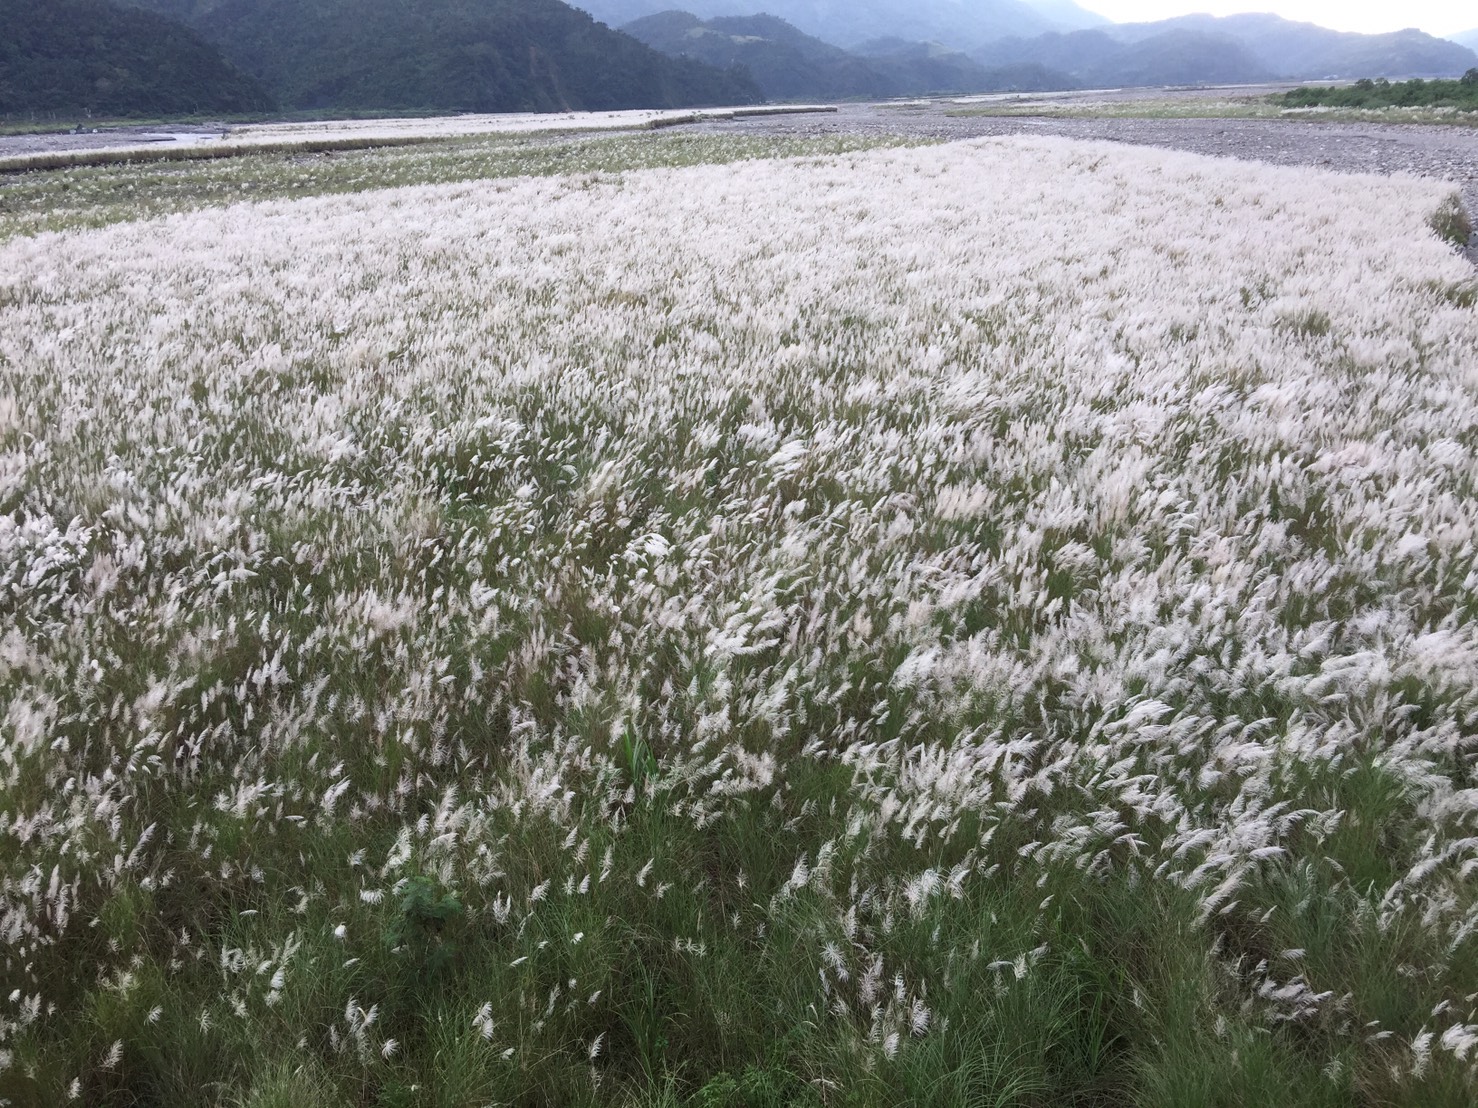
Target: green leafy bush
1380, 93
423, 930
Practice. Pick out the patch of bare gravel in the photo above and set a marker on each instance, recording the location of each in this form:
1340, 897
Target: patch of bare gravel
64, 141
1449, 153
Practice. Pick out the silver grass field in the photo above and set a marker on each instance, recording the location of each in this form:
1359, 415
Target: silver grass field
979, 624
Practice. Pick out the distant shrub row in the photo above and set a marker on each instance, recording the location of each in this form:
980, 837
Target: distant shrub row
1461, 94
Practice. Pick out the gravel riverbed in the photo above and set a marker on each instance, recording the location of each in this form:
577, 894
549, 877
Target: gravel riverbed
53, 142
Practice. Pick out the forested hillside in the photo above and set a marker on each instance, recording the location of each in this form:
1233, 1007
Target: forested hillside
931, 67
784, 62
455, 55
89, 56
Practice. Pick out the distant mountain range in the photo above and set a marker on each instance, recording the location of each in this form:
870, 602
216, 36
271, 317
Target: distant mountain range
1191, 49
957, 23
1290, 49
1231, 50
1097, 59
1466, 38
450, 55
788, 64
89, 57
174, 57
906, 47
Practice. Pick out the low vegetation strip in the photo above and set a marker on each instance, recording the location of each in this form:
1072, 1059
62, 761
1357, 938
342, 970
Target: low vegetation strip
1275, 106
169, 151
985, 623
1459, 96
337, 136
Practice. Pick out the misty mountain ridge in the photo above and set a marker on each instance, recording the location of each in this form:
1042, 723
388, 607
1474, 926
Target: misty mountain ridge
1084, 49
786, 63
1097, 59
1200, 50
1293, 49
961, 24
789, 63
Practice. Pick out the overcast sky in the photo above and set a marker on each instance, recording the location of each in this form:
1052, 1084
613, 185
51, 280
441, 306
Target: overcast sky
1438, 17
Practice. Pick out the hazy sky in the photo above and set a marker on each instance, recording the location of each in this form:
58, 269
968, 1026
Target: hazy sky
1438, 17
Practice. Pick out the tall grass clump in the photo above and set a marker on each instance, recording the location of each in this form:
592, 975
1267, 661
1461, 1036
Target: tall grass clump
986, 624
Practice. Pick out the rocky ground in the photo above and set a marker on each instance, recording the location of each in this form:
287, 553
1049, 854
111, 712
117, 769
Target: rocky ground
1447, 152
47, 142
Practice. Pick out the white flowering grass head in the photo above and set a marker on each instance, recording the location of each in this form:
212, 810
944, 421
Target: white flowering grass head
867, 621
